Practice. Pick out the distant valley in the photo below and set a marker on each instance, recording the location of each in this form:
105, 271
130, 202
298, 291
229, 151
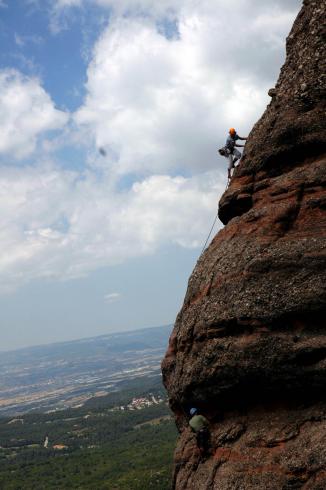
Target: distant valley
124, 440
65, 375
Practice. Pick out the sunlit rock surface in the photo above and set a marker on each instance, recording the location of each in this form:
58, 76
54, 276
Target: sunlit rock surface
249, 345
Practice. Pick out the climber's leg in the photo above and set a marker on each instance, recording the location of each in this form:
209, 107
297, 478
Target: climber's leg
236, 156
231, 166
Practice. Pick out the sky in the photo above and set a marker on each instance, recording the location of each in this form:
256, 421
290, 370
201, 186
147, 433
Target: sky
111, 114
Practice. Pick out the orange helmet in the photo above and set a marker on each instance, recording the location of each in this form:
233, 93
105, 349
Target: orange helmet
232, 131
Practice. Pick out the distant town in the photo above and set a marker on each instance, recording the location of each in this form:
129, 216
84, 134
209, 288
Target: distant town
140, 403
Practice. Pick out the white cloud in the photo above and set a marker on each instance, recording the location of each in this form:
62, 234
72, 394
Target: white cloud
158, 104
60, 14
26, 111
68, 3
65, 226
112, 297
159, 108
120, 7
21, 40
140, 7
174, 9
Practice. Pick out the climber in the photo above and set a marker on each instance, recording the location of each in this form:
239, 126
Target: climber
200, 425
229, 151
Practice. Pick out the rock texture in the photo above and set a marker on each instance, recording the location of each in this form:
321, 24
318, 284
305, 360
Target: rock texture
249, 345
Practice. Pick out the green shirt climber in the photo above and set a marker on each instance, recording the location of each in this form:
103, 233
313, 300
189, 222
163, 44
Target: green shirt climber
198, 422
200, 425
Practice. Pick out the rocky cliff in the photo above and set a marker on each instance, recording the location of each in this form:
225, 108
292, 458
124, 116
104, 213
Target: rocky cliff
249, 345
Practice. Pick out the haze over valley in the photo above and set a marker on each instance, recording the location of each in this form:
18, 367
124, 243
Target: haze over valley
63, 375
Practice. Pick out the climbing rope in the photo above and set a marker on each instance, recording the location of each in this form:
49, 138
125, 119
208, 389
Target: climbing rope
209, 234
227, 185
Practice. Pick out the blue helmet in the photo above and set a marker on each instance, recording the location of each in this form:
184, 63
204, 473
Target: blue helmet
193, 411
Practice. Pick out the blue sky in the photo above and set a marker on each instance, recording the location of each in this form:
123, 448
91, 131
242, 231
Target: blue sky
110, 114
59, 60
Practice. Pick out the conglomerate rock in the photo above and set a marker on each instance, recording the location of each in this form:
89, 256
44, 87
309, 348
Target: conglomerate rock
249, 345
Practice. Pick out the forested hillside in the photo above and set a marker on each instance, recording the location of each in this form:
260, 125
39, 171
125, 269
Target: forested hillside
122, 441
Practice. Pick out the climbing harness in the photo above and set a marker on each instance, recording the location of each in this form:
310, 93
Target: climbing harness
223, 151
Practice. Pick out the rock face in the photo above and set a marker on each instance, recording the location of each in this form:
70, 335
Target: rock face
249, 345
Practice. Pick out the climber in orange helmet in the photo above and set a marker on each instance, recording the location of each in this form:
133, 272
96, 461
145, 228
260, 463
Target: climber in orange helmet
229, 150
